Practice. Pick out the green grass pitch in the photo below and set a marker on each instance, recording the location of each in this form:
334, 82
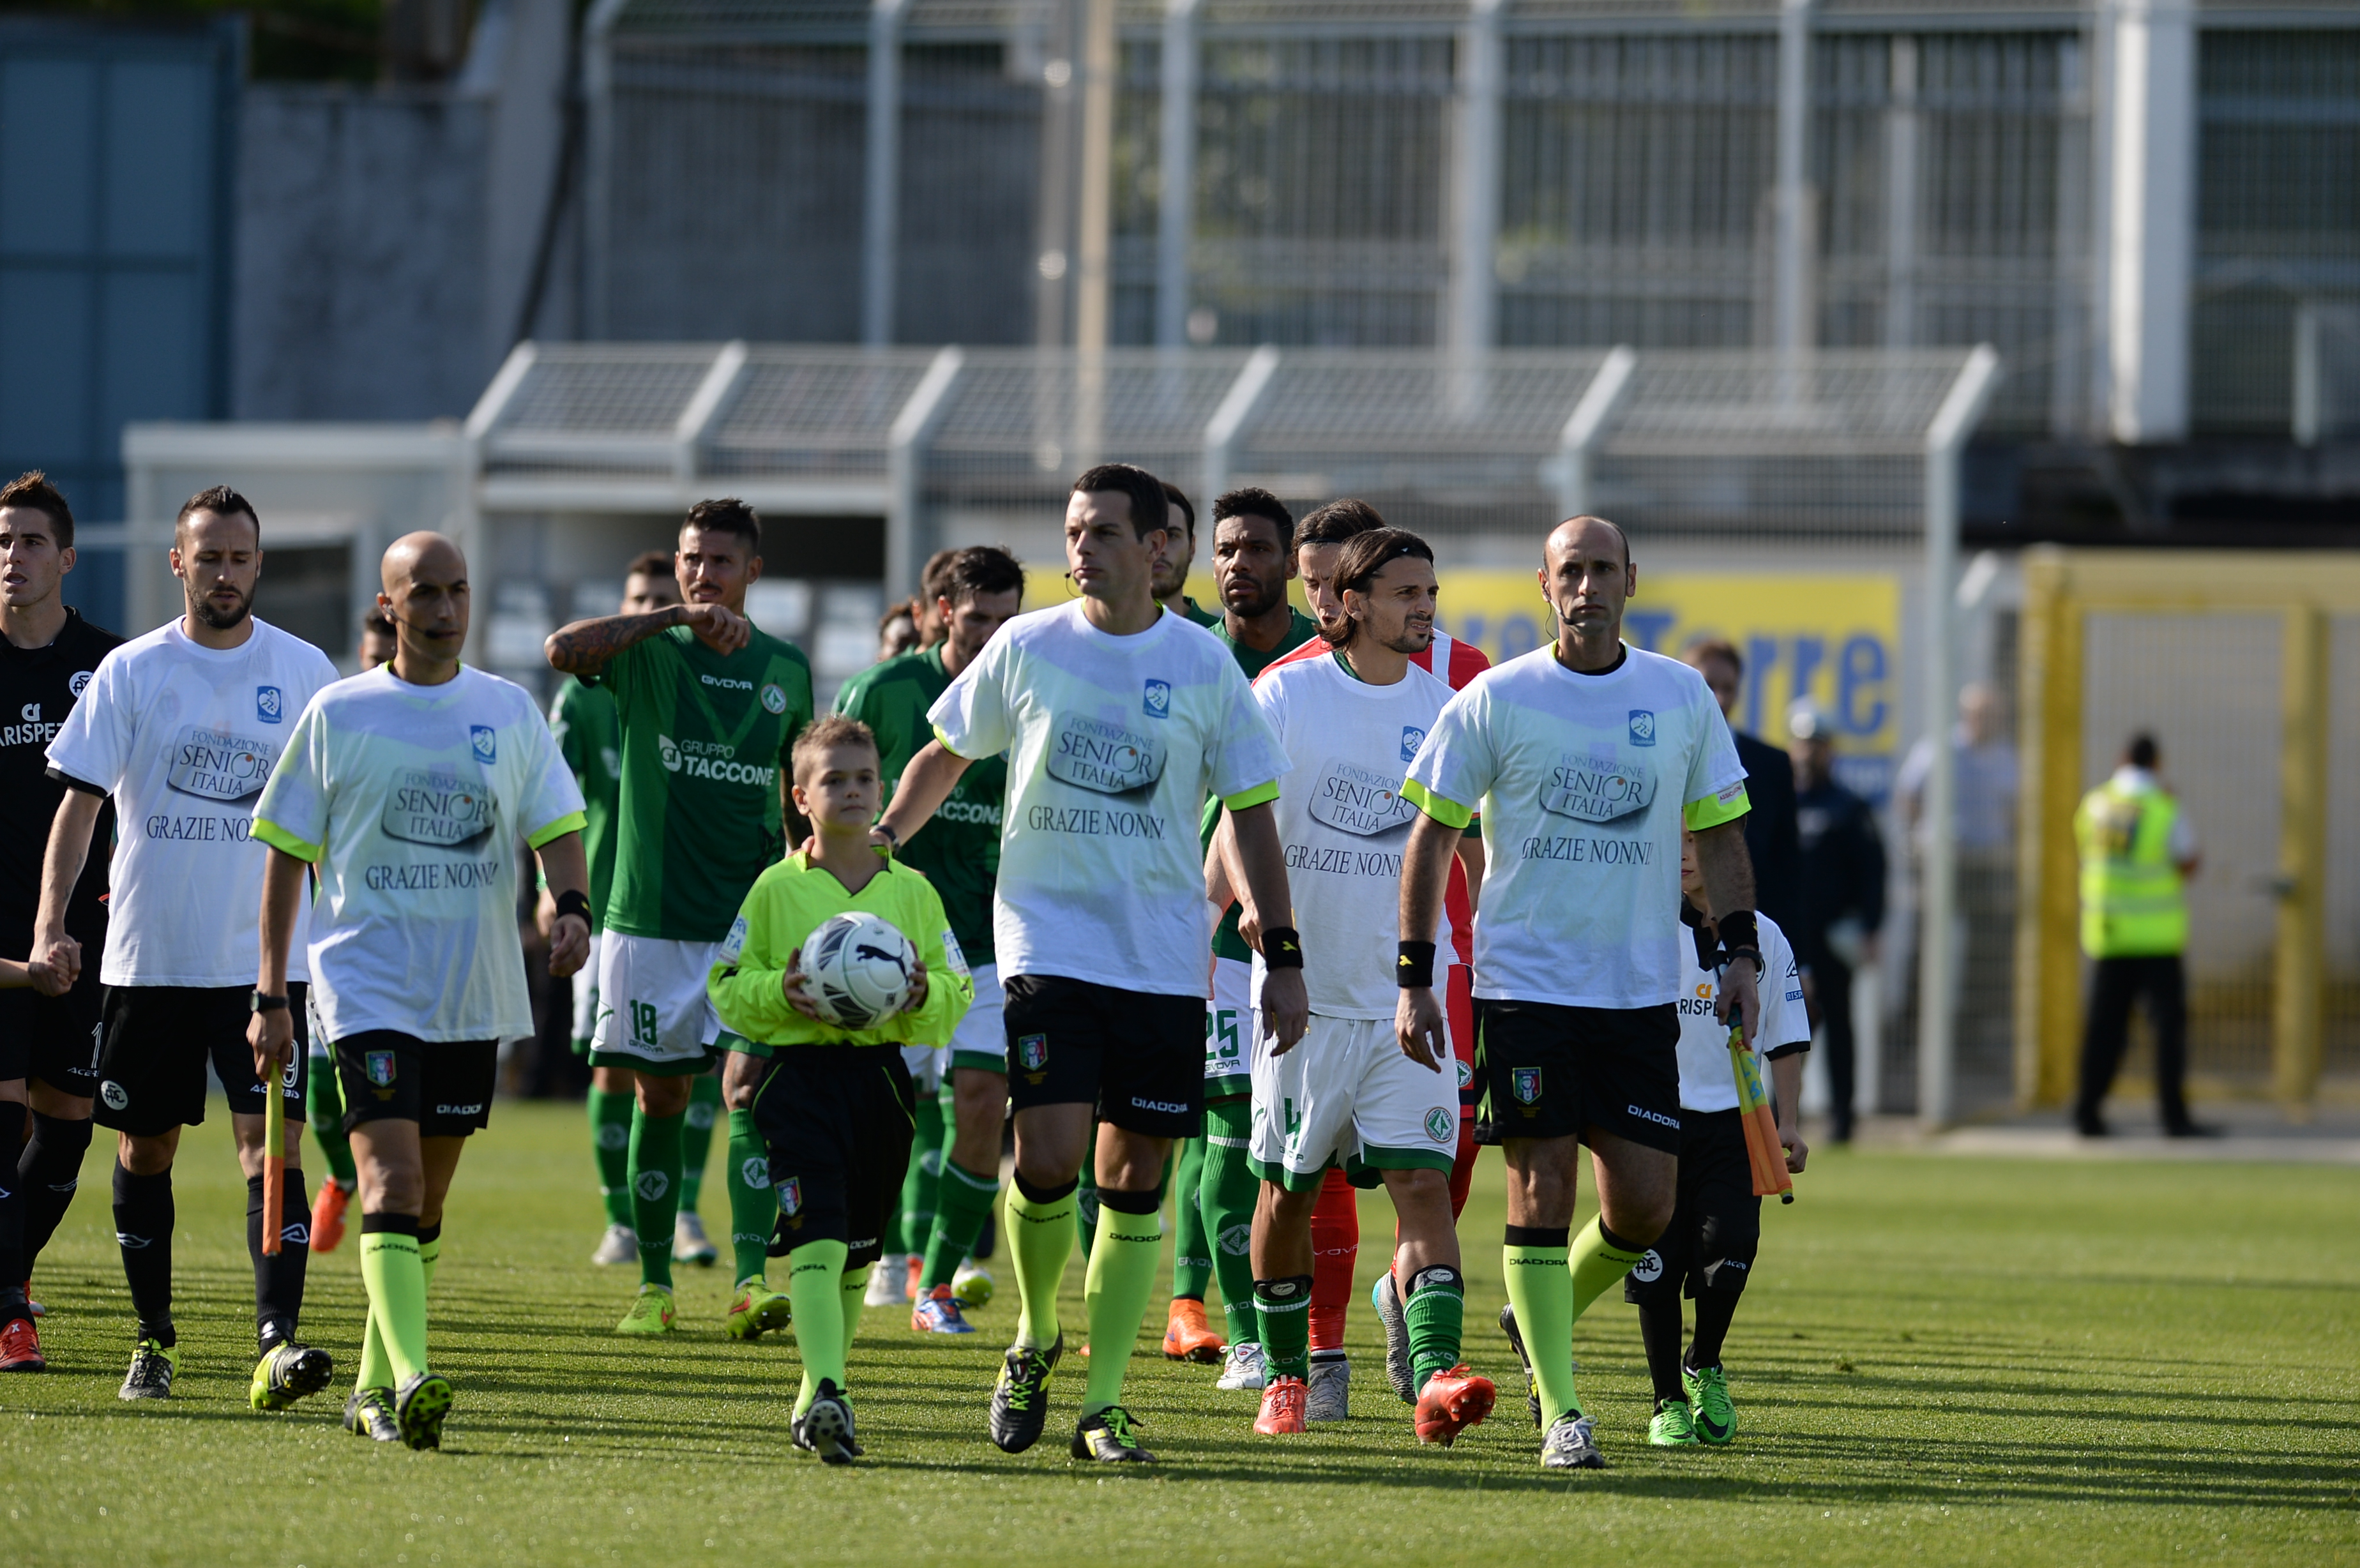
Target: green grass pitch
1940, 1360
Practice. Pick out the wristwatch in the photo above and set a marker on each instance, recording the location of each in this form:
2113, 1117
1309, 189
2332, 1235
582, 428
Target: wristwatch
266, 1003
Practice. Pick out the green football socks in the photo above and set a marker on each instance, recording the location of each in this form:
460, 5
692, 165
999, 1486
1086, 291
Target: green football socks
610, 1146
1040, 1240
697, 1141
324, 1106
961, 1203
815, 1288
1598, 1259
1120, 1279
1435, 1313
655, 1191
1283, 1308
1192, 1247
1540, 1288
918, 1183
396, 1278
1227, 1196
753, 1209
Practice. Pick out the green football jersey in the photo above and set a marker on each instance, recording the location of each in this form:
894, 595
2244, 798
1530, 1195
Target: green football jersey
959, 850
590, 738
705, 744
1300, 629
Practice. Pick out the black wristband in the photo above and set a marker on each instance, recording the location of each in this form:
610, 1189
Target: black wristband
1738, 935
266, 1003
574, 902
891, 837
1281, 948
1413, 970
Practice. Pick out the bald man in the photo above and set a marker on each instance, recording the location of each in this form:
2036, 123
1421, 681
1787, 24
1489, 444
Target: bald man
406, 789
1586, 758
180, 727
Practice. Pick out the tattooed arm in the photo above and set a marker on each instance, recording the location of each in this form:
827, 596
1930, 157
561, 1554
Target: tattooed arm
585, 646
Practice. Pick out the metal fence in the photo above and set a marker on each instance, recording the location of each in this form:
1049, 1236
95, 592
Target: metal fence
1523, 173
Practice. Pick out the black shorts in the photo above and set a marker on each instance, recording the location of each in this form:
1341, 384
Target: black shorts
837, 1122
446, 1087
1138, 1056
1717, 1225
1550, 1071
156, 1041
54, 1038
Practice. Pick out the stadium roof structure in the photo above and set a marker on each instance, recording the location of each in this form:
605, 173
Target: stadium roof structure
1714, 443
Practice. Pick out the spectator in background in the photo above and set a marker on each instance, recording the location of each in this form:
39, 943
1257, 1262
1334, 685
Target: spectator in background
1984, 839
1770, 834
1842, 900
933, 582
897, 630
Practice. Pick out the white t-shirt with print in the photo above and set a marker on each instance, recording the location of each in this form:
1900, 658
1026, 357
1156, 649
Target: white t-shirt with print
1113, 744
1584, 781
410, 800
184, 737
1707, 1081
1344, 824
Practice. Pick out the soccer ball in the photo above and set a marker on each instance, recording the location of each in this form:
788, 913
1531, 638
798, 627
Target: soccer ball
971, 1287
857, 969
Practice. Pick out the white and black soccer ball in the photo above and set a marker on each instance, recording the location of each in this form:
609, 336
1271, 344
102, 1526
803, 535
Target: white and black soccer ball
857, 969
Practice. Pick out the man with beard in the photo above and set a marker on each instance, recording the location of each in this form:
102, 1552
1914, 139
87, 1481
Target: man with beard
183, 727
1169, 581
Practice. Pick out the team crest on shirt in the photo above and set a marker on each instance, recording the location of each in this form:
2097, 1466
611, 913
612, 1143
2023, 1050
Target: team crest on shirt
1441, 1125
791, 1197
1158, 700
1643, 726
270, 705
80, 681
1033, 1053
1466, 1073
1525, 1083
774, 698
379, 1067
1412, 738
484, 742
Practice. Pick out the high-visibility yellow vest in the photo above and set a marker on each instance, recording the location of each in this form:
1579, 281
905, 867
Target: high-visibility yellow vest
2131, 903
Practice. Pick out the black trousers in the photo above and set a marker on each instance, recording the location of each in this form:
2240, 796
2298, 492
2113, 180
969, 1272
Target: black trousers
1831, 988
2115, 984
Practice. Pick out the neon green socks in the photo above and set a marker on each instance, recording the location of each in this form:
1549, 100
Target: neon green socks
1120, 1279
697, 1141
376, 1367
1192, 1248
396, 1278
655, 1191
961, 1203
610, 1146
814, 1288
1282, 1308
1541, 1290
1598, 1258
1227, 1196
1040, 1240
753, 1210
324, 1106
1435, 1313
918, 1183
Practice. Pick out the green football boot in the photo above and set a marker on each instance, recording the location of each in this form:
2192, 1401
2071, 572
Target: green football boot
368, 1412
1110, 1437
756, 1310
1716, 1417
1674, 1425
419, 1406
652, 1311
287, 1372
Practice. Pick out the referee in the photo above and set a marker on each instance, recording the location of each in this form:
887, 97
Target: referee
407, 788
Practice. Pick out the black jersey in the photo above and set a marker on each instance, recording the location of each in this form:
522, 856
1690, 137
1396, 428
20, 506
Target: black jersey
39, 687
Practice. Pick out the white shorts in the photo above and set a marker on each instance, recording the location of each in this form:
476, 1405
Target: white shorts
585, 999
981, 1040
1232, 1029
1346, 1096
653, 1009
927, 1064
